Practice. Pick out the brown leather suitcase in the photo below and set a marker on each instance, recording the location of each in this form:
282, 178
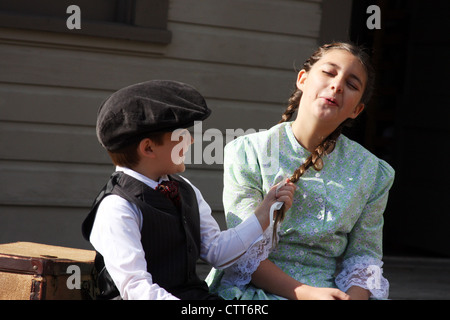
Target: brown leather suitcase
33, 271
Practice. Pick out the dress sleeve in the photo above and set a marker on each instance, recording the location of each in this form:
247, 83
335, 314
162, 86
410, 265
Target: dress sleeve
242, 191
242, 194
362, 265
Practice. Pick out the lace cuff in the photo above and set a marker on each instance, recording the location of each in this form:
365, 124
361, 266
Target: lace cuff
240, 273
364, 272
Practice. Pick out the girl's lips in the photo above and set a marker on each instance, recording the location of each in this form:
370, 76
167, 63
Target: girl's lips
330, 101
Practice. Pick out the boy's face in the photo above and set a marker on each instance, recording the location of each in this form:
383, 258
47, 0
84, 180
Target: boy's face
172, 151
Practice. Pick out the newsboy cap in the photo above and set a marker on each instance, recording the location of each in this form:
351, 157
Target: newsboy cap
133, 112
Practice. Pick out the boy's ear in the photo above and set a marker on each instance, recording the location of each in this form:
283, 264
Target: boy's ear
145, 148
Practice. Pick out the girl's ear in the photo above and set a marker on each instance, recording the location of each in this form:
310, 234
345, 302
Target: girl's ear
302, 75
358, 109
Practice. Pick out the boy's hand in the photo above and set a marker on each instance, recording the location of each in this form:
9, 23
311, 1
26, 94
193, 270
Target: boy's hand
276, 193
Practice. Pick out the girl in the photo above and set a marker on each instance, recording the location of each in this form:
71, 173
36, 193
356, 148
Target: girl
330, 241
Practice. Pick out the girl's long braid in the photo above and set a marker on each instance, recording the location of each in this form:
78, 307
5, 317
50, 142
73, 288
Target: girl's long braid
314, 160
293, 101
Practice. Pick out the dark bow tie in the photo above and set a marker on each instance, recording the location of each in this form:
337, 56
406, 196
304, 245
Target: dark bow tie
170, 190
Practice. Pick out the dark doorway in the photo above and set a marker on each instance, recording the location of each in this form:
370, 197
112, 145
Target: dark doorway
406, 122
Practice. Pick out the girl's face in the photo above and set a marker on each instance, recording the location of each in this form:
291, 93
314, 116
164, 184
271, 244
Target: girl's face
333, 88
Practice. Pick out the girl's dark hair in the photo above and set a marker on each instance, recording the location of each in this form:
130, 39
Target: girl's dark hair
327, 145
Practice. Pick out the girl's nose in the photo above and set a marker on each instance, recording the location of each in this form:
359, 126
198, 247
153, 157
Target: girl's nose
337, 86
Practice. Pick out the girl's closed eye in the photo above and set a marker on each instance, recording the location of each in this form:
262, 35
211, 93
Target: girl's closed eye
352, 86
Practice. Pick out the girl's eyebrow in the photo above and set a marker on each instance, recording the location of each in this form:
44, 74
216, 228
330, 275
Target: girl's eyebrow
352, 75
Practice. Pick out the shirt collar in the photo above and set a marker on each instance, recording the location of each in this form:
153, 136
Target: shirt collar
149, 182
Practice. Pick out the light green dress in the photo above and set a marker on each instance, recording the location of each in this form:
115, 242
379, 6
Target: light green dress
332, 234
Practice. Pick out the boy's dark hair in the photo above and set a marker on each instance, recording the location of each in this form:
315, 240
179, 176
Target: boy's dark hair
128, 156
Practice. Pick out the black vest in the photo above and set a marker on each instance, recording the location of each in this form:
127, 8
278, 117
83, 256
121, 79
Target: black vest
170, 238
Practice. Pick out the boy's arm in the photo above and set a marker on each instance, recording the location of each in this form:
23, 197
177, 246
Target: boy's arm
116, 236
220, 249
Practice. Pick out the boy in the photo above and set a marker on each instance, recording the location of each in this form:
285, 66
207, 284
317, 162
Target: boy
148, 236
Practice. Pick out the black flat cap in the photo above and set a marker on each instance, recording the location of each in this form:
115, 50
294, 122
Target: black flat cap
131, 113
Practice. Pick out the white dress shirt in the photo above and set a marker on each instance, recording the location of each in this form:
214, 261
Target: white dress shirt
116, 235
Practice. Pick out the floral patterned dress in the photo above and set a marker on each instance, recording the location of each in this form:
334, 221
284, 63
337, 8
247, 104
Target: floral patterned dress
332, 234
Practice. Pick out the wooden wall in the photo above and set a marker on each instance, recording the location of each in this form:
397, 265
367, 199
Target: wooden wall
240, 54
